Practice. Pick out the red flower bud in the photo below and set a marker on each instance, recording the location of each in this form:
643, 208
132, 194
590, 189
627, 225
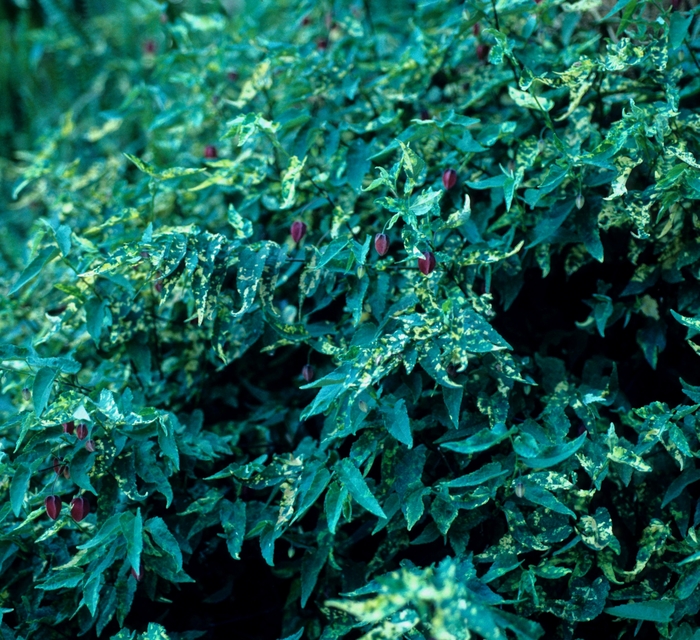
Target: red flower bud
476, 29
298, 230
158, 286
307, 372
149, 46
306, 21
58, 466
322, 44
482, 51
449, 178
210, 151
232, 75
79, 508
424, 114
68, 427
81, 431
138, 576
90, 445
427, 264
53, 506
675, 4
381, 244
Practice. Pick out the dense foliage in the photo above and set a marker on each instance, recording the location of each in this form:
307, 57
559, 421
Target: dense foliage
230, 405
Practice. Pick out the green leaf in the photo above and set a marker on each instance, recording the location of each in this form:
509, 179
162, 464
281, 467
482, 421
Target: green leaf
80, 466
488, 472
94, 316
19, 486
164, 539
453, 402
166, 174
311, 566
108, 532
481, 441
154, 632
290, 179
619, 5
397, 422
333, 504
653, 610
62, 579
679, 484
34, 267
233, 520
552, 455
132, 530
352, 480
41, 391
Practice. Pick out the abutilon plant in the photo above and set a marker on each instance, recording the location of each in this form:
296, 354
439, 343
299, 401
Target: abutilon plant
464, 438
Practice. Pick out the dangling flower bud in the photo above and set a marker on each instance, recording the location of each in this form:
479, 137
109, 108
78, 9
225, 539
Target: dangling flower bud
53, 506
381, 244
298, 231
449, 178
79, 508
427, 263
307, 372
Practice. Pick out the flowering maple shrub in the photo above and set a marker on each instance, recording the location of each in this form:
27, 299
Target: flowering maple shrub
335, 320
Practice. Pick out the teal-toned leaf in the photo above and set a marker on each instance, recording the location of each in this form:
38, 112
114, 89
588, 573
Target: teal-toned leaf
233, 520
552, 455
94, 317
290, 179
19, 486
333, 504
154, 632
453, 402
41, 390
34, 267
80, 468
488, 472
484, 439
352, 480
397, 422
62, 579
681, 482
311, 566
653, 610
109, 530
132, 529
161, 535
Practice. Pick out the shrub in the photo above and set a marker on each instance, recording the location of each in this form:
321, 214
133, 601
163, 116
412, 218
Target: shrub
260, 420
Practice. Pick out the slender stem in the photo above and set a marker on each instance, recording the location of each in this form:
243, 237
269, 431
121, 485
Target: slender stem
495, 15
